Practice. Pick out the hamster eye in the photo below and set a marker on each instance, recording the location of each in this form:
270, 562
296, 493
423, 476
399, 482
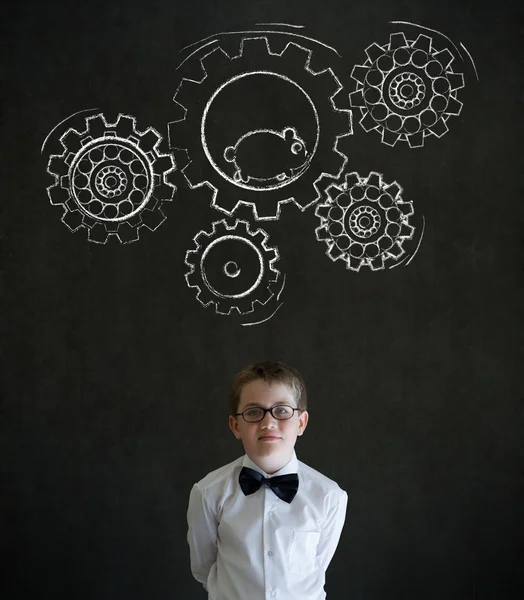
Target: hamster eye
296, 147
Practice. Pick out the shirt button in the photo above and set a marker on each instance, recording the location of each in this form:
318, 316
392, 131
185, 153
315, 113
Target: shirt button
273, 594
270, 553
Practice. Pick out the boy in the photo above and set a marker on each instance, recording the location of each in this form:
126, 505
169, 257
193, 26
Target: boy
266, 525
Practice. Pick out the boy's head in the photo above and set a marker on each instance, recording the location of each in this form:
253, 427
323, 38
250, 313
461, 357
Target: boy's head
274, 385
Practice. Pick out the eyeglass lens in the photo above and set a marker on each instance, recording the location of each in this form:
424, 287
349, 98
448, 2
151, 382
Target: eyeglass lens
280, 412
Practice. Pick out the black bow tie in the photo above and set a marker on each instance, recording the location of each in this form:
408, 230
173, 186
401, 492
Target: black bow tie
284, 486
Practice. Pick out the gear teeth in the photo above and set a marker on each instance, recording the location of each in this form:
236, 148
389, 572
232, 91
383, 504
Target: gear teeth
191, 70
222, 308
163, 164
375, 179
394, 190
152, 219
353, 263
254, 45
439, 129
377, 263
396, 250
368, 123
268, 209
164, 192
125, 126
445, 57
98, 234
193, 174
359, 73
423, 42
341, 102
389, 138
56, 166
231, 45
149, 140
259, 237
373, 52
416, 140
322, 210
217, 60
406, 231
72, 219
57, 195
228, 204
356, 99
297, 55
186, 93
243, 227
406, 208
127, 234
456, 81
177, 132
335, 253
265, 296
454, 107
397, 40
328, 82
96, 126
71, 140
352, 179
322, 234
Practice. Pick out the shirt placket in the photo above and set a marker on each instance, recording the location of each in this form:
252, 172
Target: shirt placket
269, 544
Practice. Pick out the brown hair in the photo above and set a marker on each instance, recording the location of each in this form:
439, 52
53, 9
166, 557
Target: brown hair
268, 371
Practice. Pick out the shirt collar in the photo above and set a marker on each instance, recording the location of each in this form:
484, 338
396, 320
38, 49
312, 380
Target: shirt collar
291, 467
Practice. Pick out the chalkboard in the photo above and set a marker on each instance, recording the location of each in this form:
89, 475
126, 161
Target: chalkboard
189, 187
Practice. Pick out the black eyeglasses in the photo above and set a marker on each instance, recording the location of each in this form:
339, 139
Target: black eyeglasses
256, 413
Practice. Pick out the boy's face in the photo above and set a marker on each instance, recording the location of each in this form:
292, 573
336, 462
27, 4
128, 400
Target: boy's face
266, 395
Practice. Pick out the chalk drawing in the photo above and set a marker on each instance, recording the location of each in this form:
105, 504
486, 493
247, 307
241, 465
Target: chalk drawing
365, 222
111, 179
265, 195
293, 155
233, 267
407, 90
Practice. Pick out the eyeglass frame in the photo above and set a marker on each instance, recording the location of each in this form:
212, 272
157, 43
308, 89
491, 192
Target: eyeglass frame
268, 410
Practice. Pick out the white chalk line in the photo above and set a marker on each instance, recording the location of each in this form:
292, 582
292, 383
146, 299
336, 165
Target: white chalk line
63, 121
194, 52
305, 37
282, 288
471, 59
399, 263
429, 29
419, 242
264, 320
283, 25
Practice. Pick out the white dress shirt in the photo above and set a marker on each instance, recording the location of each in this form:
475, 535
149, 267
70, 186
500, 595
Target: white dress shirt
259, 547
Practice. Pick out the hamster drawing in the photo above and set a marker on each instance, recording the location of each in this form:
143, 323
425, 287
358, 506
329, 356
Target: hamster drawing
287, 150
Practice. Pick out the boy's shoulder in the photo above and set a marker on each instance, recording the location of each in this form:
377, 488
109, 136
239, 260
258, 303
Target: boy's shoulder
318, 480
219, 475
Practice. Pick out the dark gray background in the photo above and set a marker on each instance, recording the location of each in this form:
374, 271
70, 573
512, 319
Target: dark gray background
115, 377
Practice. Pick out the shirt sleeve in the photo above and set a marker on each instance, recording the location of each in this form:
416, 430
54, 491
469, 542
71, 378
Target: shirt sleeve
201, 536
331, 532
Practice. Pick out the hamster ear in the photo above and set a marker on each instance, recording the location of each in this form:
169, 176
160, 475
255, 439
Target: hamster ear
289, 133
230, 154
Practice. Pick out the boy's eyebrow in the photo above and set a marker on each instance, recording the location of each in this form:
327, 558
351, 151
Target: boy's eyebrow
259, 405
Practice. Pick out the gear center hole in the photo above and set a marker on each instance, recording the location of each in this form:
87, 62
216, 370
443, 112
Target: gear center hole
406, 91
231, 269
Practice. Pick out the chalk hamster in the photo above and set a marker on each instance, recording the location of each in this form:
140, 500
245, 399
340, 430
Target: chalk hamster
287, 150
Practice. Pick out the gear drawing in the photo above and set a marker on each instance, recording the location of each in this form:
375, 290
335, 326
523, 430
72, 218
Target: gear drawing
218, 70
111, 179
232, 267
365, 222
407, 90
